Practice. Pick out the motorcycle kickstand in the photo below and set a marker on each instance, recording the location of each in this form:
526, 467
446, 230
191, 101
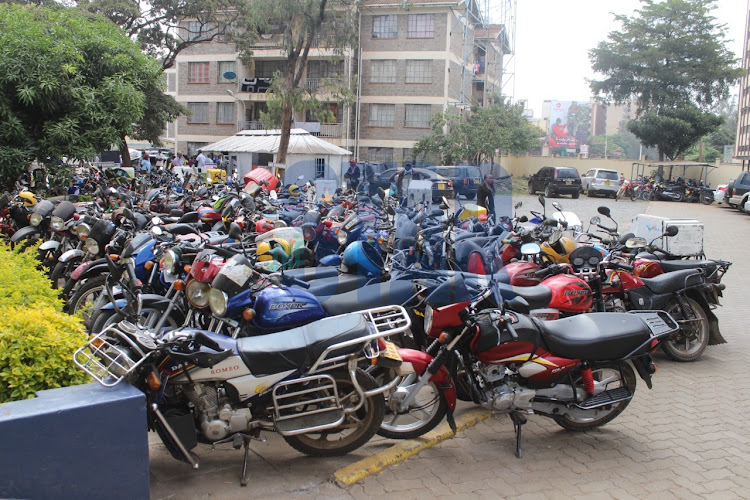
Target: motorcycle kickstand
518, 420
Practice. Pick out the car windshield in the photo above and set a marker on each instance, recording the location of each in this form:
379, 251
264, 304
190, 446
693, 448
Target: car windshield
473, 172
567, 173
607, 174
447, 171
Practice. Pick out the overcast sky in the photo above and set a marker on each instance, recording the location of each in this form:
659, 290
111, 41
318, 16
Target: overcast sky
553, 38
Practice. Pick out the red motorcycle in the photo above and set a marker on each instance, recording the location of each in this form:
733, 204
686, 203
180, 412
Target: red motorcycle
577, 371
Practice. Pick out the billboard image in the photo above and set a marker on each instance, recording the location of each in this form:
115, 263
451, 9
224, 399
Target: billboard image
570, 124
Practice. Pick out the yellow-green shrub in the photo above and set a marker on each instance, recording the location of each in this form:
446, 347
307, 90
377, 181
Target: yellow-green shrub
37, 340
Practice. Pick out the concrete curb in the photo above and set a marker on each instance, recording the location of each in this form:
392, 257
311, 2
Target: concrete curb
357, 471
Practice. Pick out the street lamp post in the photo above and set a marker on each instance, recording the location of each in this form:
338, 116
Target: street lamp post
231, 93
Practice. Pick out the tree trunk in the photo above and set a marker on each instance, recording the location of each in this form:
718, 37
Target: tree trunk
286, 127
125, 153
700, 149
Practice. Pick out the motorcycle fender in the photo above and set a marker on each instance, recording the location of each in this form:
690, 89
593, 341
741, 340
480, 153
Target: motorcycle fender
715, 336
94, 268
419, 360
110, 306
24, 233
70, 255
49, 245
645, 367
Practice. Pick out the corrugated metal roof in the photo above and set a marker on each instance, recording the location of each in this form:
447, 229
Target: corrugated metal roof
267, 141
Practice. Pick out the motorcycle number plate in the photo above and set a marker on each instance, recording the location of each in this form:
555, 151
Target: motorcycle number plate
391, 352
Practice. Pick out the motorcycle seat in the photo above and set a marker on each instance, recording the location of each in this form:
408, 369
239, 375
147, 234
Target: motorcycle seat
312, 273
299, 348
337, 285
595, 336
673, 281
537, 296
375, 295
709, 266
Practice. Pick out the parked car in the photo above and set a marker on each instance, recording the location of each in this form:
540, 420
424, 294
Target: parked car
738, 192
721, 190
600, 181
441, 186
466, 178
556, 180
377, 167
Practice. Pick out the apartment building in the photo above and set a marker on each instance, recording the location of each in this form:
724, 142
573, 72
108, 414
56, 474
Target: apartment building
410, 64
742, 143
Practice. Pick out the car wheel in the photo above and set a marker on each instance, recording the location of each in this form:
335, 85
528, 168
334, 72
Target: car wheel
576, 194
531, 188
548, 192
590, 193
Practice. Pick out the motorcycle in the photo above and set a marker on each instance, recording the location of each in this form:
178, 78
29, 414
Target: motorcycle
577, 371
306, 384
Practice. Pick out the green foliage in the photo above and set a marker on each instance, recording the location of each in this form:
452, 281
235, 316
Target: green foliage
37, 340
498, 127
674, 130
71, 84
670, 54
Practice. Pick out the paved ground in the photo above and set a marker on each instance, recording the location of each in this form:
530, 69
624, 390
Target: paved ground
689, 437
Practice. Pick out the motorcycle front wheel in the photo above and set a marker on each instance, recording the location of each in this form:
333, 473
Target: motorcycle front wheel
425, 412
607, 376
707, 198
356, 430
692, 339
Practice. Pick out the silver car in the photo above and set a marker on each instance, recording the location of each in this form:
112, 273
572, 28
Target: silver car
600, 181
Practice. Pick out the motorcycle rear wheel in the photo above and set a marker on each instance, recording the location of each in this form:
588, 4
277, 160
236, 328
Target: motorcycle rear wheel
607, 376
426, 411
707, 197
633, 195
364, 422
691, 340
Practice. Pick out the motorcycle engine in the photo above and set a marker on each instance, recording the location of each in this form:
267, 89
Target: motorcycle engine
504, 396
217, 417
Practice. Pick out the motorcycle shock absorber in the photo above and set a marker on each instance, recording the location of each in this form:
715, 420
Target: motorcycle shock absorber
588, 377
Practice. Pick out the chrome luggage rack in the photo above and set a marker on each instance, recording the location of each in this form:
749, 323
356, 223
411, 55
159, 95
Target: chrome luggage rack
105, 362
385, 321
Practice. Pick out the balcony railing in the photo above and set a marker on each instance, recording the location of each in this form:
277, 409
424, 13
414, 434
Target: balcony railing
331, 130
314, 83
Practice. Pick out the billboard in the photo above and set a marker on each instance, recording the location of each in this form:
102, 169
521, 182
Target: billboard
570, 124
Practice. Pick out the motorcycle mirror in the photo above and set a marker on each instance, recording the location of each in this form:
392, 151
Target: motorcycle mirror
390, 210
671, 231
235, 231
604, 211
541, 199
523, 219
127, 213
518, 304
273, 195
518, 205
155, 221
557, 206
436, 212
381, 193
300, 177
157, 231
595, 220
635, 242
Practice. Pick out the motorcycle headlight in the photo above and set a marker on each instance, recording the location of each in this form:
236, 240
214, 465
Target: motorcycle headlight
57, 223
427, 319
35, 219
197, 293
170, 262
342, 237
308, 233
82, 230
92, 246
218, 302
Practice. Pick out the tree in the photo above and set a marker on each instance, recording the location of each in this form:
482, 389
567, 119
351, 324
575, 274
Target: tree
71, 84
498, 127
298, 26
670, 56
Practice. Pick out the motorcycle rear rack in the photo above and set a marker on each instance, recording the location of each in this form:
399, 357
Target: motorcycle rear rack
661, 325
605, 398
317, 390
104, 362
384, 321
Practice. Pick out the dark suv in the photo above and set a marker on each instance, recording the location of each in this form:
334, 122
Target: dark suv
556, 180
466, 179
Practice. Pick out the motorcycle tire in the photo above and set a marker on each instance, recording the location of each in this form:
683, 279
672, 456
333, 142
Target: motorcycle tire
150, 317
426, 411
633, 195
605, 374
679, 196
58, 275
85, 296
367, 421
691, 340
707, 198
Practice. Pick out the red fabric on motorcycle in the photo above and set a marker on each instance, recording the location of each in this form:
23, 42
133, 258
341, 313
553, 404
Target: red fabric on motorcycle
595, 336
299, 348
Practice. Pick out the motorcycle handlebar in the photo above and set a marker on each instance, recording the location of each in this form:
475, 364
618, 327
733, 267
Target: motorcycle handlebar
205, 340
223, 251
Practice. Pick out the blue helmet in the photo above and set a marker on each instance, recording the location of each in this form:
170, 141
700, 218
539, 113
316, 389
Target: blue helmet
362, 258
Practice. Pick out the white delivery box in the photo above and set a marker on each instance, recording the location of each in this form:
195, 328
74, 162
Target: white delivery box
419, 192
325, 188
687, 243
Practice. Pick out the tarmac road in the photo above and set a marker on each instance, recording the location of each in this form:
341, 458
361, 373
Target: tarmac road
688, 437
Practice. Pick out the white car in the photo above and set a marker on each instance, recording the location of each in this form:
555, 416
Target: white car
600, 181
719, 193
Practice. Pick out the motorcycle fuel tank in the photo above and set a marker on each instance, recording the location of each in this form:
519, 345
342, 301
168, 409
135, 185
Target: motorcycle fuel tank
282, 308
569, 293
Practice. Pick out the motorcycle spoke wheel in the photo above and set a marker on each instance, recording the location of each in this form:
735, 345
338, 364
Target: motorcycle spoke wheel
355, 431
607, 376
424, 414
692, 339
85, 297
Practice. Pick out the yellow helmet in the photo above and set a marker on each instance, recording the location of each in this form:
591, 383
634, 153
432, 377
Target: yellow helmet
28, 198
558, 247
294, 190
263, 250
472, 210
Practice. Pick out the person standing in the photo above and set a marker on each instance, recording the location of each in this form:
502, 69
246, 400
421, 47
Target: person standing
486, 195
403, 179
145, 164
352, 174
177, 160
200, 160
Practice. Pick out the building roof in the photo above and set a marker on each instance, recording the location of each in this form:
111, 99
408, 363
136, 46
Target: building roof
301, 142
400, 3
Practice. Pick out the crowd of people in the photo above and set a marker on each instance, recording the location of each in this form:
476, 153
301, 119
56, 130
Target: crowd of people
198, 162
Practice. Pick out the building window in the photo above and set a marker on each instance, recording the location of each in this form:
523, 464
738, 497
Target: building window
198, 72
198, 112
199, 31
385, 26
266, 69
417, 115
226, 67
380, 154
320, 168
171, 82
194, 147
421, 26
225, 112
383, 71
382, 115
418, 71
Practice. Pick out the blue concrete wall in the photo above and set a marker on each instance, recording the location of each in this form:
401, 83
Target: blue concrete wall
86, 441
